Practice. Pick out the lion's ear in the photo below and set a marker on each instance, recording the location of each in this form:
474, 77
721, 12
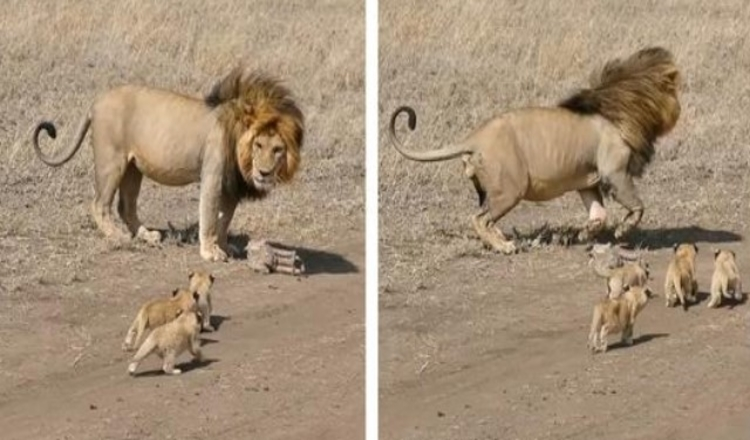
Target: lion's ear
191, 275
673, 76
174, 292
695, 246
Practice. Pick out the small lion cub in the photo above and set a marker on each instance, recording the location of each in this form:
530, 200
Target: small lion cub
170, 340
629, 274
726, 279
680, 282
201, 283
617, 316
159, 312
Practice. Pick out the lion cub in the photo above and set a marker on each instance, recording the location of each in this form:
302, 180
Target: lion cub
629, 274
617, 316
201, 283
158, 312
170, 340
680, 282
726, 279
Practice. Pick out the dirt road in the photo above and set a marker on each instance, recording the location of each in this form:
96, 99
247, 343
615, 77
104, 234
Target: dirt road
286, 361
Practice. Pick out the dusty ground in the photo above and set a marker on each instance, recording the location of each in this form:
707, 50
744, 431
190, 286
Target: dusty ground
476, 345
288, 358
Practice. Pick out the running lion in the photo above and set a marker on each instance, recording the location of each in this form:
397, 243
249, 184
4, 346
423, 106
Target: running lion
595, 141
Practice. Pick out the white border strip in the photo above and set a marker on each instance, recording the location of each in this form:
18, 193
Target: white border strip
371, 219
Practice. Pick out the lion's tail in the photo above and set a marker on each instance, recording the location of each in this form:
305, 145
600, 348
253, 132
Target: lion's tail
52, 132
426, 156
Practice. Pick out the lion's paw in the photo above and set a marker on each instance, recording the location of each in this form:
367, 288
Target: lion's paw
213, 253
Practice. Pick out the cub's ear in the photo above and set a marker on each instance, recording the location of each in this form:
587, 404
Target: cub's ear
733, 254
174, 292
211, 278
191, 275
196, 296
674, 248
695, 246
716, 253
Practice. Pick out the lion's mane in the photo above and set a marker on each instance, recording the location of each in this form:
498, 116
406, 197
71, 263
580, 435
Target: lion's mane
252, 100
638, 95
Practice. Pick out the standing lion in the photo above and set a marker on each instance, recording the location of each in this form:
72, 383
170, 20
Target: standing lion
239, 141
595, 141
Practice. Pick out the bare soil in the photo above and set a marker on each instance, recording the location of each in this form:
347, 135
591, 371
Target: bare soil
287, 359
477, 345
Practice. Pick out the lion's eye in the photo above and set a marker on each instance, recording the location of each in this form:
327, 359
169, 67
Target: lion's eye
256, 145
278, 150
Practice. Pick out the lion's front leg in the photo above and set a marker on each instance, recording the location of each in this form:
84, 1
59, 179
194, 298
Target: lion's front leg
226, 211
623, 191
594, 203
210, 200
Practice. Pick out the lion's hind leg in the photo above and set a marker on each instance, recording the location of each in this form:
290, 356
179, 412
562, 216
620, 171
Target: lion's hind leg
170, 357
109, 171
127, 205
148, 347
485, 223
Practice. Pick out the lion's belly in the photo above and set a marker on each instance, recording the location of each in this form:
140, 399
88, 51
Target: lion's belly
541, 190
172, 173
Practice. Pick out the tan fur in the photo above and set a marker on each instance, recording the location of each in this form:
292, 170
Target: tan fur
239, 141
629, 274
201, 283
617, 316
726, 279
680, 283
596, 141
170, 340
158, 312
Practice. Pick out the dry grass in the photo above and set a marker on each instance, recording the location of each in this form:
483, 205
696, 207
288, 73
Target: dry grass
56, 57
463, 62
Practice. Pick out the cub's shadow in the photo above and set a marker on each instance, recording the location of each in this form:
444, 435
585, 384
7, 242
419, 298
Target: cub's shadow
184, 366
217, 321
702, 297
636, 341
316, 261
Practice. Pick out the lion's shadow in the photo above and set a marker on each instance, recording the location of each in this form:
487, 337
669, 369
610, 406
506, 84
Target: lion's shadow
657, 238
316, 261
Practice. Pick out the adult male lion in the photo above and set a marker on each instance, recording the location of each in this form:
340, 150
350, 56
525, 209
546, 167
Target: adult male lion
239, 141
598, 139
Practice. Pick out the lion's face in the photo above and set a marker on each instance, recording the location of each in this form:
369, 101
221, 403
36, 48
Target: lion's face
262, 158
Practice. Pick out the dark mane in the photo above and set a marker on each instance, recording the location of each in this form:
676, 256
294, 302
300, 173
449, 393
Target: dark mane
638, 95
